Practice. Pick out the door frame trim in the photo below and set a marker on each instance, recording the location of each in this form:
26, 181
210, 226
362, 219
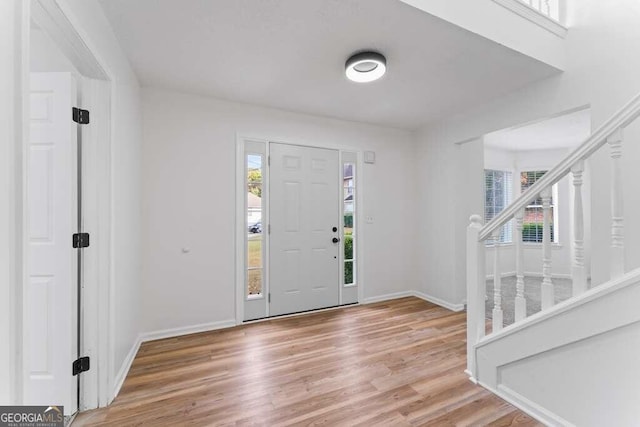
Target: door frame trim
97, 91
241, 231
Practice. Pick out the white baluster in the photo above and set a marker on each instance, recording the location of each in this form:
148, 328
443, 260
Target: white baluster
547, 8
617, 208
521, 302
497, 284
547, 298
476, 290
578, 273
562, 11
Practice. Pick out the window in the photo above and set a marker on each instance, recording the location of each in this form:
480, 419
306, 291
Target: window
498, 191
348, 195
255, 240
532, 226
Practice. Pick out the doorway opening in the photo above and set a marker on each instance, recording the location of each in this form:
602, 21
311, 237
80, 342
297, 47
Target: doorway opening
514, 159
297, 221
66, 233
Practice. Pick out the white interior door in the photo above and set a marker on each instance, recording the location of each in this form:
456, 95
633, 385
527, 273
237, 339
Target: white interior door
50, 294
304, 212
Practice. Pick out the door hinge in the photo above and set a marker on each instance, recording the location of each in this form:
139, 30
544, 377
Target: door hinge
268, 160
80, 116
80, 365
81, 240
269, 297
268, 228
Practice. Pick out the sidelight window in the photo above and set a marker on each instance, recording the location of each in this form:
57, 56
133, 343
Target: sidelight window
348, 196
255, 236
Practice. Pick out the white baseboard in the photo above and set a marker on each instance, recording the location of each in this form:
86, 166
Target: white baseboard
529, 407
438, 301
186, 330
388, 297
530, 274
124, 369
417, 294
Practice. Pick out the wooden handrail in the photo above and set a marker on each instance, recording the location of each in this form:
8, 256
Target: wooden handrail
625, 116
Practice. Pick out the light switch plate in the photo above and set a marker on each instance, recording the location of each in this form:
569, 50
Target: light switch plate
370, 157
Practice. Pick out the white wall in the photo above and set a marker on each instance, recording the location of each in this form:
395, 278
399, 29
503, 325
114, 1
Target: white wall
189, 201
451, 189
491, 20
597, 74
594, 381
468, 173
126, 131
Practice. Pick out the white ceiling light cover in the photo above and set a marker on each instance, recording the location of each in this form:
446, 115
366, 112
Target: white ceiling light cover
365, 67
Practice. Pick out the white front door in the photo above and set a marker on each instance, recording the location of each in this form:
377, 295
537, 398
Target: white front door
50, 294
304, 212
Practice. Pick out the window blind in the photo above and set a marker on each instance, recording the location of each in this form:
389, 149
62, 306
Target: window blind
532, 226
498, 186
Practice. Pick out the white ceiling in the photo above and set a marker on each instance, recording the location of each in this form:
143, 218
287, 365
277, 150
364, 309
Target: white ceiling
564, 131
290, 54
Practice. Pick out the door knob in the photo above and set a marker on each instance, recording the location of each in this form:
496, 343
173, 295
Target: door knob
335, 239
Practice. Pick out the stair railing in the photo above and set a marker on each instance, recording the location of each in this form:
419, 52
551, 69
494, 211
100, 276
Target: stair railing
610, 133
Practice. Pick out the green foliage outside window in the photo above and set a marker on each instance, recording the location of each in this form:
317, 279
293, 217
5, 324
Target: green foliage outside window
254, 181
348, 255
533, 232
348, 220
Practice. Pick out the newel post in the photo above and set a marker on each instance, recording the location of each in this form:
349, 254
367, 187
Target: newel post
476, 289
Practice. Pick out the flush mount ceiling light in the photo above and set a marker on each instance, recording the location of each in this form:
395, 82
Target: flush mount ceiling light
365, 67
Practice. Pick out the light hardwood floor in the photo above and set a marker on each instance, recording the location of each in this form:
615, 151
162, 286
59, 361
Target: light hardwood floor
394, 363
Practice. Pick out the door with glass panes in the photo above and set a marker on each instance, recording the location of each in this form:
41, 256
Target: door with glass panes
300, 245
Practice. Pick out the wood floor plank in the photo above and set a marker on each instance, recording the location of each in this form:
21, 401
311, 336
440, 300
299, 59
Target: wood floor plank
394, 363
514, 418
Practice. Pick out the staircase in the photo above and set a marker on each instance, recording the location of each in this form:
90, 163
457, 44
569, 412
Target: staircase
576, 362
